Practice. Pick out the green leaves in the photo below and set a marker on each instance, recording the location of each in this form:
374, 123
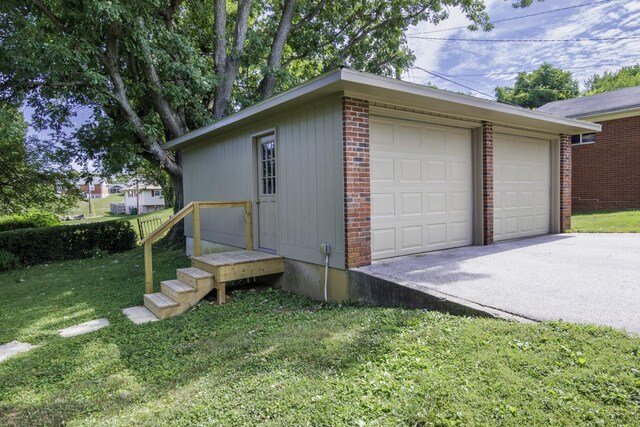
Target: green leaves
624, 77
29, 176
541, 86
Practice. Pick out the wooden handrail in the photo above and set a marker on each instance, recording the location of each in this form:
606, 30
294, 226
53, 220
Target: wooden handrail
192, 207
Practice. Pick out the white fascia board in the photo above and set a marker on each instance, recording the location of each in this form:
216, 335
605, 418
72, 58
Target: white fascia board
610, 115
464, 105
371, 87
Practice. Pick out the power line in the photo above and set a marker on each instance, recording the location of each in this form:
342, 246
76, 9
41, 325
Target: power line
454, 82
506, 73
441, 75
526, 40
517, 17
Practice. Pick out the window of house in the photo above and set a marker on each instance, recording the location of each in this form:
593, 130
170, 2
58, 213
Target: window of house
583, 138
157, 193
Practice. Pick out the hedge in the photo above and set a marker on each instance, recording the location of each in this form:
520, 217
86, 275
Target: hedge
33, 219
40, 245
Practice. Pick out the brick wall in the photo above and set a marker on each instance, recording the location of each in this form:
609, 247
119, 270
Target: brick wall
357, 182
565, 183
606, 175
487, 182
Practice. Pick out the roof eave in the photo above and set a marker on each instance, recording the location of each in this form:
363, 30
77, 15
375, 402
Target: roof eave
344, 79
598, 116
325, 83
478, 108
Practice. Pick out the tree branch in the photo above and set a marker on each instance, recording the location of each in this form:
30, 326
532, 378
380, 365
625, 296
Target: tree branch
49, 13
170, 119
363, 32
268, 83
169, 13
110, 61
227, 76
308, 16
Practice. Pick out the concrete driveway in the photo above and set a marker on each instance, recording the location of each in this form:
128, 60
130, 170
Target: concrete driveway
583, 278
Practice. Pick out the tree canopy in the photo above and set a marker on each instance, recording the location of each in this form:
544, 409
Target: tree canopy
152, 70
624, 77
29, 178
543, 85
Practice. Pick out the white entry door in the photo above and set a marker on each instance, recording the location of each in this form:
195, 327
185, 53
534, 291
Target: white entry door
522, 186
267, 204
421, 187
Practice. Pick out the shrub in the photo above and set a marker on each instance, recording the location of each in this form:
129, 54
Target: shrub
33, 219
8, 261
39, 245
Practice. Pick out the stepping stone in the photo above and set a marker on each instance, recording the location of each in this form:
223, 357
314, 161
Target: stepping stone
13, 348
139, 315
83, 328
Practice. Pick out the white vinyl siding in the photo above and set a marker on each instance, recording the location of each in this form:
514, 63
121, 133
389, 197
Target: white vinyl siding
421, 187
309, 177
522, 186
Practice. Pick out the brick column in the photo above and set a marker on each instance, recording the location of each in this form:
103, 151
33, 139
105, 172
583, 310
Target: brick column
487, 182
357, 182
565, 183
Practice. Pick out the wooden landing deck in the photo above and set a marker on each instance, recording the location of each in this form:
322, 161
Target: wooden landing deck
236, 265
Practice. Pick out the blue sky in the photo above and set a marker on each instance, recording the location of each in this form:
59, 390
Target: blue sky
484, 65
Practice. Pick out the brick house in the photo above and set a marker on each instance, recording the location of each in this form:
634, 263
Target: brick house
376, 168
97, 187
606, 165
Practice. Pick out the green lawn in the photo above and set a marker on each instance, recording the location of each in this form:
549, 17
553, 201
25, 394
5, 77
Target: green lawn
101, 207
102, 212
606, 222
270, 358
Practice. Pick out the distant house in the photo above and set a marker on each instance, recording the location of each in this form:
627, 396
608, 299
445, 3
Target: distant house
116, 188
150, 199
606, 165
97, 188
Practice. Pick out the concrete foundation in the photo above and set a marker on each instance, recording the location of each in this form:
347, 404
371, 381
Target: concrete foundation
308, 279
375, 290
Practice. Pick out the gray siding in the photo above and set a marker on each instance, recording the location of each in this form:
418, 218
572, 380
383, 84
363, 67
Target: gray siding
309, 175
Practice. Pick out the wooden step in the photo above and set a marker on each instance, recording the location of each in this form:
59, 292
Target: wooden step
176, 290
161, 305
236, 265
195, 277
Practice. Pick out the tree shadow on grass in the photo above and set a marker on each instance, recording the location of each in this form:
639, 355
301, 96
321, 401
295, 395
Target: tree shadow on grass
39, 300
251, 338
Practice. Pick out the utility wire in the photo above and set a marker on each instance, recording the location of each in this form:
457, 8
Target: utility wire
454, 82
526, 40
505, 73
442, 76
516, 17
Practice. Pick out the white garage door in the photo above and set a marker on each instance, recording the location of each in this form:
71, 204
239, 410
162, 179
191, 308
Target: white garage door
421, 187
522, 187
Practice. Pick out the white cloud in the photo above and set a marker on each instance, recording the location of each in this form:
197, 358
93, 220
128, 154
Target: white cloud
633, 6
501, 61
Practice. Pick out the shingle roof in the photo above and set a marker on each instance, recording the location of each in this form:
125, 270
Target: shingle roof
606, 102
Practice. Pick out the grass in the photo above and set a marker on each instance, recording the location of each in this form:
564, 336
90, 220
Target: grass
606, 222
101, 207
102, 211
270, 358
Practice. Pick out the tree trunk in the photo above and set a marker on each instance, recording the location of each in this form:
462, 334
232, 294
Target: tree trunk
268, 83
176, 238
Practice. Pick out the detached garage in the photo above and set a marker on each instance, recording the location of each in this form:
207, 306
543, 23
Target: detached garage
377, 168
